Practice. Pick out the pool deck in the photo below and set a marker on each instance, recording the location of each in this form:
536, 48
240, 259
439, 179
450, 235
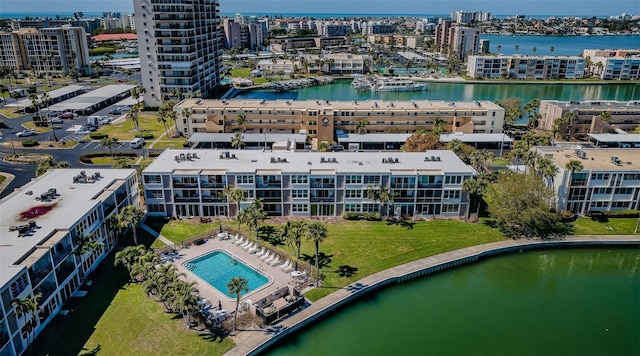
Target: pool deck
277, 277
255, 341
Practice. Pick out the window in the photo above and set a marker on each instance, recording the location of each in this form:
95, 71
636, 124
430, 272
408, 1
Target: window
353, 193
155, 208
631, 176
602, 191
620, 204
352, 208
300, 208
600, 176
453, 180
154, 193
244, 179
370, 208
349, 179
300, 193
299, 179
152, 179
450, 208
451, 194
599, 204
372, 179
622, 191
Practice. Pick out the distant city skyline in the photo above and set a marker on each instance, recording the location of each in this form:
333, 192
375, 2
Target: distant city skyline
496, 7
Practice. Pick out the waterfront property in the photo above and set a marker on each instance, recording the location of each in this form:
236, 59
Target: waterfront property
319, 119
48, 230
609, 179
526, 67
624, 115
183, 183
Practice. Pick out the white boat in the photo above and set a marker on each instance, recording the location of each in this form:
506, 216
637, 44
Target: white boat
387, 84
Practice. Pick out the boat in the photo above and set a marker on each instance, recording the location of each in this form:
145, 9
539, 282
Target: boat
387, 84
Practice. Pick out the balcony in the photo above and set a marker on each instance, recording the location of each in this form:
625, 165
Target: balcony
179, 199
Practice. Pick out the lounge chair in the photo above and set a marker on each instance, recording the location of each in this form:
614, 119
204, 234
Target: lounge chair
284, 265
275, 261
267, 256
254, 248
239, 241
251, 245
246, 244
289, 268
262, 252
268, 260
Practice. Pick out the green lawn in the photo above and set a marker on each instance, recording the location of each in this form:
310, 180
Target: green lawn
175, 143
125, 131
179, 230
38, 129
617, 226
9, 113
375, 246
2, 178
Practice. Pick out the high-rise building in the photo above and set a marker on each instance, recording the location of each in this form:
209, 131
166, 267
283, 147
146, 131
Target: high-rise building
461, 41
180, 44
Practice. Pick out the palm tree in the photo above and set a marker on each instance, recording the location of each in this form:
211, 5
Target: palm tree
324, 146
15, 95
456, 145
361, 126
87, 244
133, 116
185, 300
292, 233
572, 166
605, 116
29, 306
128, 257
237, 286
547, 169
235, 195
387, 198
373, 194
253, 215
3, 91
110, 143
237, 141
317, 232
476, 186
439, 126
499, 48
241, 122
130, 216
186, 113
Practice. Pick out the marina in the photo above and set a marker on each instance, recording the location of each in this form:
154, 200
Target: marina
293, 84
392, 84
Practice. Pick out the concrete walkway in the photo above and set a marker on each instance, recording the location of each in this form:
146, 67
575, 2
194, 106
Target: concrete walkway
7, 180
257, 341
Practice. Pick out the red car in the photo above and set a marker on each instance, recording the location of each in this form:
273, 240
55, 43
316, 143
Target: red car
67, 115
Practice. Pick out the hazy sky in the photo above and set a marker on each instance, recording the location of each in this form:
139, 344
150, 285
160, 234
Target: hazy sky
498, 7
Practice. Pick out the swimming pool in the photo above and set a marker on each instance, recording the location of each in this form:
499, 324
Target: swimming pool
217, 268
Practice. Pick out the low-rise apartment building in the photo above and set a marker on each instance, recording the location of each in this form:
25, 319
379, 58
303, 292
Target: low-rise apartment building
609, 180
625, 115
336, 63
47, 227
320, 119
183, 183
616, 68
526, 67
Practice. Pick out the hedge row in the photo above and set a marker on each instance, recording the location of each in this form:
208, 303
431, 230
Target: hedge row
98, 135
614, 213
29, 143
87, 158
364, 216
145, 135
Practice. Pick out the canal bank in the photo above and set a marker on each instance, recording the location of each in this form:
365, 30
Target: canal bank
255, 342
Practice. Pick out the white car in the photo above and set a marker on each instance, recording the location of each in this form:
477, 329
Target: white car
25, 133
56, 120
83, 131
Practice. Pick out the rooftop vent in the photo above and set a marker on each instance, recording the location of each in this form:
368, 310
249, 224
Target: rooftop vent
616, 161
278, 160
84, 178
581, 154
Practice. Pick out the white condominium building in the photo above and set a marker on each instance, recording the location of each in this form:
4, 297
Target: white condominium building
526, 67
47, 227
320, 119
183, 183
180, 43
609, 180
616, 68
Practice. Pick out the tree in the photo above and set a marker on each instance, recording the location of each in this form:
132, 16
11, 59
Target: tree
130, 216
50, 163
3, 91
110, 143
317, 232
237, 141
133, 116
292, 233
532, 111
324, 146
29, 307
361, 126
605, 116
128, 257
456, 146
572, 166
87, 244
186, 114
481, 160
521, 206
122, 163
562, 122
512, 109
237, 286
235, 195
15, 95
185, 300
421, 141
476, 187
253, 216
547, 169
241, 122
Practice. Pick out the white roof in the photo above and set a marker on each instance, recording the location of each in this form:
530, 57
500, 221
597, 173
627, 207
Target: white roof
53, 94
94, 97
74, 201
251, 161
247, 137
607, 137
374, 137
476, 137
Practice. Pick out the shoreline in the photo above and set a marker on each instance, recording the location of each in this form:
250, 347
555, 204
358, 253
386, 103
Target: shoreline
260, 341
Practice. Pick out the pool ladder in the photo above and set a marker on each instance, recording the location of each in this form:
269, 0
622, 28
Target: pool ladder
190, 266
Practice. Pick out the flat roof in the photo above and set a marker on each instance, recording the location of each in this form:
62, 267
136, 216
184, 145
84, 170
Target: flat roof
632, 105
597, 159
476, 137
73, 202
356, 105
374, 137
53, 94
94, 97
247, 137
251, 161
607, 137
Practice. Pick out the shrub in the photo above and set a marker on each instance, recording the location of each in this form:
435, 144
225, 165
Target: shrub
622, 213
145, 135
29, 143
351, 216
98, 135
373, 216
567, 216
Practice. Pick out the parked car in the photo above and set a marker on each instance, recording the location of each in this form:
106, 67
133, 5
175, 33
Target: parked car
105, 120
137, 142
115, 111
25, 133
56, 120
68, 115
83, 131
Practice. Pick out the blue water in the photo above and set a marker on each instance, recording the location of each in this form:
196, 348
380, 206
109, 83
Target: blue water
217, 268
563, 45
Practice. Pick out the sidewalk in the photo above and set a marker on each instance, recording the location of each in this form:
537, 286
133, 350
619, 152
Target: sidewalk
255, 342
8, 179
